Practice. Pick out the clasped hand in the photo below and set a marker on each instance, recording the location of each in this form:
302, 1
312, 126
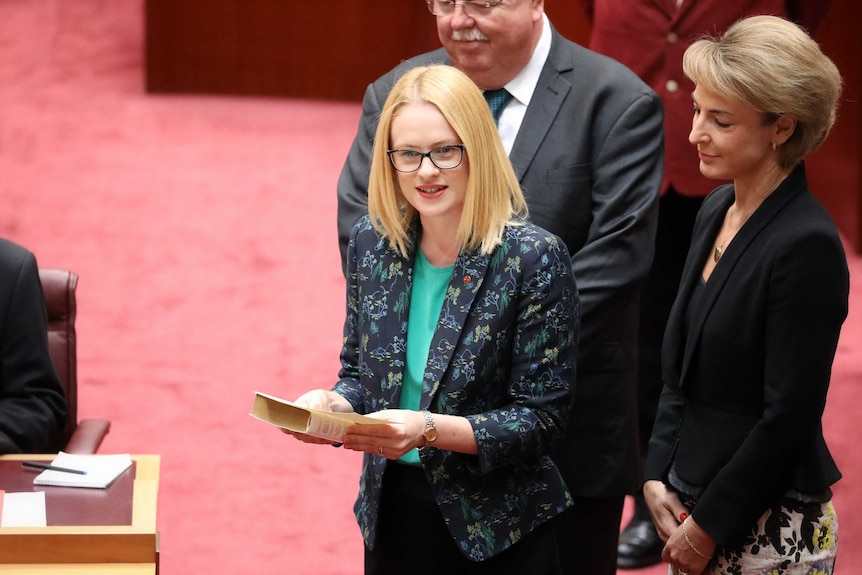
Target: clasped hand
668, 514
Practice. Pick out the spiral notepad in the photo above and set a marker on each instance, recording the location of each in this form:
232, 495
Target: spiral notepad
101, 470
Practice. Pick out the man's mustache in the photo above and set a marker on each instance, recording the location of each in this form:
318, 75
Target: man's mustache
470, 35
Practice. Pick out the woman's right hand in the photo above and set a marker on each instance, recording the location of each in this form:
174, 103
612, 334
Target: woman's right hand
665, 507
321, 400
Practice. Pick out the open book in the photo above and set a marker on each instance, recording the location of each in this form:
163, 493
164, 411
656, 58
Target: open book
324, 424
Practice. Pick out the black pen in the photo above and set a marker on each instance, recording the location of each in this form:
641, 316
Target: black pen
48, 466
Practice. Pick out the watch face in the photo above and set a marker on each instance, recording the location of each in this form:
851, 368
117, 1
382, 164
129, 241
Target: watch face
431, 434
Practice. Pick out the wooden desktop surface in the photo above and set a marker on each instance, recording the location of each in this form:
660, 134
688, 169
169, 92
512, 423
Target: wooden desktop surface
82, 569
117, 534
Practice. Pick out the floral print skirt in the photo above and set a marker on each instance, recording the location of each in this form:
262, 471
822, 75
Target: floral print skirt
795, 538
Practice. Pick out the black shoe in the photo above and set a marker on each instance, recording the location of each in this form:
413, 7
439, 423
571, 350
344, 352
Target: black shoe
639, 545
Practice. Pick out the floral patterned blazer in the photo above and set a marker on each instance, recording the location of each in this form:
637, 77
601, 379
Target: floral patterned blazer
503, 355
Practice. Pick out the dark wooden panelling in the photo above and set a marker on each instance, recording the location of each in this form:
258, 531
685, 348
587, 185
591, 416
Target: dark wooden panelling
311, 49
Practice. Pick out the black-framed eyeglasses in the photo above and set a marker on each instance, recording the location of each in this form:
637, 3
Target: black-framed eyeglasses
444, 157
473, 8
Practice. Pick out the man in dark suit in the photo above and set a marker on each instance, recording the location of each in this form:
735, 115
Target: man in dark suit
584, 135
650, 36
32, 404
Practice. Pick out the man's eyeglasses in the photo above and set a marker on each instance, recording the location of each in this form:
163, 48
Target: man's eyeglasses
444, 157
472, 8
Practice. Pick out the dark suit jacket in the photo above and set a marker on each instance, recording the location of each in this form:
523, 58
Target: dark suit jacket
746, 382
589, 158
32, 404
650, 37
503, 355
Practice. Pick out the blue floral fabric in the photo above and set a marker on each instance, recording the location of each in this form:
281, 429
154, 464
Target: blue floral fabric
503, 355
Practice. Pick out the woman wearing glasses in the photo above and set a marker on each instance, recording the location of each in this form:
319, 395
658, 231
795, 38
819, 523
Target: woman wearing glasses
461, 338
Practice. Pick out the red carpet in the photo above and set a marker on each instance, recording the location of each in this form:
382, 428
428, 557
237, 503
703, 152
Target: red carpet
203, 230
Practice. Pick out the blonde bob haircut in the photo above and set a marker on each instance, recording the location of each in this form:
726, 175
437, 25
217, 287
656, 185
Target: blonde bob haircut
771, 65
493, 199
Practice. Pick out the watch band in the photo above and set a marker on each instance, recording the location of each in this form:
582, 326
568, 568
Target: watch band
430, 432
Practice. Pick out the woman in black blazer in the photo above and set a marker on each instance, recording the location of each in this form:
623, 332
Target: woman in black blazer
738, 474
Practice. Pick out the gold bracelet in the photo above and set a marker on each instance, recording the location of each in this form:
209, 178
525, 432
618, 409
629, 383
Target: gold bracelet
690, 544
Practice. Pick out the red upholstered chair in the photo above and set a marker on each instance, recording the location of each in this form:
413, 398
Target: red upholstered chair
59, 287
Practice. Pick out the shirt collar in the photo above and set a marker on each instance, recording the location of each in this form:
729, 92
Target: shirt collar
524, 84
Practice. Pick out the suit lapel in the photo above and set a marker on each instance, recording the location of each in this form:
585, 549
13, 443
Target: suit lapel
699, 251
679, 11
668, 6
387, 336
742, 242
467, 279
550, 92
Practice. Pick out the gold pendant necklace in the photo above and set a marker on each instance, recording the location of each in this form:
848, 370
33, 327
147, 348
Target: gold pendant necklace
716, 255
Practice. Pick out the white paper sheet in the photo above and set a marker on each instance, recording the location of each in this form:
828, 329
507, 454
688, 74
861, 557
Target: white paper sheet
24, 509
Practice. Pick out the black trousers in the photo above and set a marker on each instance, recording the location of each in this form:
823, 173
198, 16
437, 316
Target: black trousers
587, 535
412, 537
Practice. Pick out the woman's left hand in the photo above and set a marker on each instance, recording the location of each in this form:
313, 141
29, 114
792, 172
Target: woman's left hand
689, 549
400, 431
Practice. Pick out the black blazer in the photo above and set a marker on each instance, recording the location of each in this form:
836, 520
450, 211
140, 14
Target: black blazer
746, 381
32, 404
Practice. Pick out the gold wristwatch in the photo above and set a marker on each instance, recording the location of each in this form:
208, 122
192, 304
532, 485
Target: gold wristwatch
430, 432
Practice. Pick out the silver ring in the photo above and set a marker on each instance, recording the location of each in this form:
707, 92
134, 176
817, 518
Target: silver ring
678, 572
381, 453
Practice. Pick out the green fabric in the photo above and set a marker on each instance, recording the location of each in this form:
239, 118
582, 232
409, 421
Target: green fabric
426, 301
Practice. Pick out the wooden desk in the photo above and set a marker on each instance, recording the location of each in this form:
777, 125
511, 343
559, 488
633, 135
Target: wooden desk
109, 530
82, 569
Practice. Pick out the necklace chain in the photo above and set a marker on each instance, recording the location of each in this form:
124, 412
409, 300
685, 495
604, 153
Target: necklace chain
719, 247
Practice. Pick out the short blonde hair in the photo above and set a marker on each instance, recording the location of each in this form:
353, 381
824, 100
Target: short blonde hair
771, 65
493, 198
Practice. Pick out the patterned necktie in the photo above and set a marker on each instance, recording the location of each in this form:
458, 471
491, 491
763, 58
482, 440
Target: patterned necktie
497, 100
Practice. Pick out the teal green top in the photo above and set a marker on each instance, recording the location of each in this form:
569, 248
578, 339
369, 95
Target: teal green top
426, 301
